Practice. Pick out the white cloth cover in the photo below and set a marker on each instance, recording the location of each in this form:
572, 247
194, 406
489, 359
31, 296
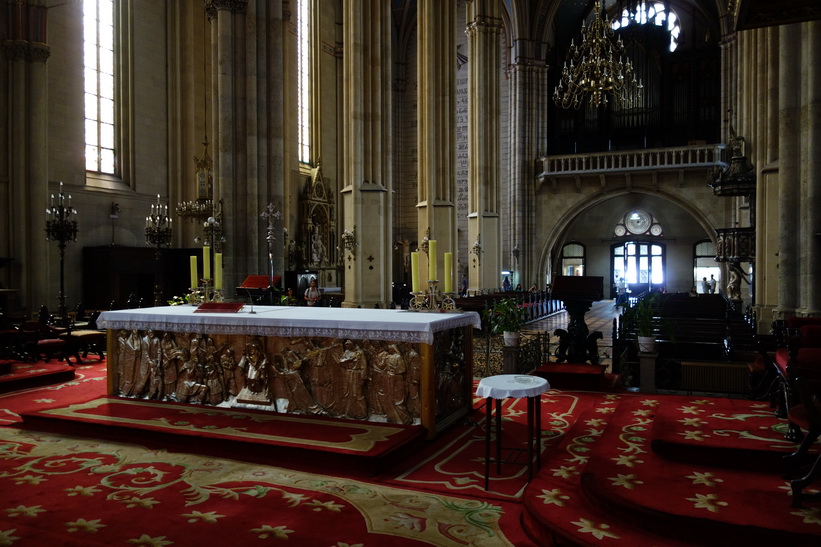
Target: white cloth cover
511, 385
355, 323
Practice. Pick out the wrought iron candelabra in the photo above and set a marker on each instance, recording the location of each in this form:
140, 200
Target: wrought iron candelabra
158, 235
61, 227
432, 299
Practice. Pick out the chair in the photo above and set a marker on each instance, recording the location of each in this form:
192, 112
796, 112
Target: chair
802, 468
800, 339
43, 342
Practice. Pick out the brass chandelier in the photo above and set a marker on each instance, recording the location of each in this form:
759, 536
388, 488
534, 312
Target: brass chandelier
596, 68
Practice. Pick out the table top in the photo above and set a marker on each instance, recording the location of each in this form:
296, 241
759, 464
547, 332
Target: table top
503, 386
356, 323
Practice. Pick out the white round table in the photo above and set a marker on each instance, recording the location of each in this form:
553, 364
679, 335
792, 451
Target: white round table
516, 386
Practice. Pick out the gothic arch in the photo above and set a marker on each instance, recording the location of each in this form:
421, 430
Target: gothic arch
557, 236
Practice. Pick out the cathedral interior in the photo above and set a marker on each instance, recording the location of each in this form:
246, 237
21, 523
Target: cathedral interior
300, 139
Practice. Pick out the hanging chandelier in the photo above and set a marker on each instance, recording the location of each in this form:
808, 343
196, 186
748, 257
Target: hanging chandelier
596, 68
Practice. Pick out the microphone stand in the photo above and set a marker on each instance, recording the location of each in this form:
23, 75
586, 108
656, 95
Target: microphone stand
250, 300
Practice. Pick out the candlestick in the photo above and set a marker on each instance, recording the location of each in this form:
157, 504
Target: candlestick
431, 259
217, 271
415, 271
206, 262
448, 272
194, 280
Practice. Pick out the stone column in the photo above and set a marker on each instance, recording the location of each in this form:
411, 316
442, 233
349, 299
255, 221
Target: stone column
484, 28
437, 131
27, 53
811, 178
368, 155
528, 121
788, 159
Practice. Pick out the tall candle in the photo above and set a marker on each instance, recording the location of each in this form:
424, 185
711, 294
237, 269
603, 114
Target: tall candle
415, 271
206, 262
448, 272
431, 260
218, 271
194, 282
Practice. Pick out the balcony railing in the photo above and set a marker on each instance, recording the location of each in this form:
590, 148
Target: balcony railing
654, 159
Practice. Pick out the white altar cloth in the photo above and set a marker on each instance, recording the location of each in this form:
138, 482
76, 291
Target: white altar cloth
294, 321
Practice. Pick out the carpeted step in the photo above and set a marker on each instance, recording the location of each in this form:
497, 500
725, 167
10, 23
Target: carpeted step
28, 375
241, 426
724, 433
556, 510
581, 376
699, 504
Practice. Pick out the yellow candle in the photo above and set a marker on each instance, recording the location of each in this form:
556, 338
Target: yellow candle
448, 272
415, 271
218, 270
194, 281
206, 262
431, 260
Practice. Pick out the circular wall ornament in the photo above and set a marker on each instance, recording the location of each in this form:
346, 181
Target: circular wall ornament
655, 229
638, 222
620, 230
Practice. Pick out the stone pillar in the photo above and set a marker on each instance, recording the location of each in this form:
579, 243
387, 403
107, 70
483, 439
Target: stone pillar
484, 28
27, 53
788, 159
368, 154
436, 203
811, 178
528, 120
647, 372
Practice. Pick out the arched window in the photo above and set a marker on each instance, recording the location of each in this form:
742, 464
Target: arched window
650, 13
573, 259
304, 80
100, 86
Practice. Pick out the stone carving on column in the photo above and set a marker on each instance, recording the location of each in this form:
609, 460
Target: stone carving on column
317, 239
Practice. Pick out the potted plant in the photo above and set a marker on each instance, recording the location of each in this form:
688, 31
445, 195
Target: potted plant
642, 317
506, 317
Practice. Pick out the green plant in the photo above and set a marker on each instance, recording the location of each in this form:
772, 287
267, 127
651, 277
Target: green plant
178, 300
643, 317
640, 316
505, 316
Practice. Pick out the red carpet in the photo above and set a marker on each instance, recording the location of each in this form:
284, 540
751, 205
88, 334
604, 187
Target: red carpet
26, 375
609, 485
723, 432
364, 439
58, 490
454, 464
84, 383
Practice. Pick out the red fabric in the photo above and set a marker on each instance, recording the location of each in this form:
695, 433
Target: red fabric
364, 439
630, 486
810, 336
782, 359
798, 322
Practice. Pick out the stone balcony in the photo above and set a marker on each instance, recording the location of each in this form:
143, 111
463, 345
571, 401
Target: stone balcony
654, 160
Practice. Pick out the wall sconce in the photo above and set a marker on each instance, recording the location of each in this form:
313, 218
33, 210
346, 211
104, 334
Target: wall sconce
349, 241
515, 252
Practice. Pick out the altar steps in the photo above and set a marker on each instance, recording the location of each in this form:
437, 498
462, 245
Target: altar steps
15, 375
607, 485
243, 434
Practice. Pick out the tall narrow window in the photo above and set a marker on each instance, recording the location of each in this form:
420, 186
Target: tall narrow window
304, 80
98, 53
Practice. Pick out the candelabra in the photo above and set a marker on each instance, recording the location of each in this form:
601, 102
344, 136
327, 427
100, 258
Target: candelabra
62, 228
432, 299
349, 242
596, 68
158, 235
477, 250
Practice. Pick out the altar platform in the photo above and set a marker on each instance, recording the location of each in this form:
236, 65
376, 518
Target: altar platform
392, 366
